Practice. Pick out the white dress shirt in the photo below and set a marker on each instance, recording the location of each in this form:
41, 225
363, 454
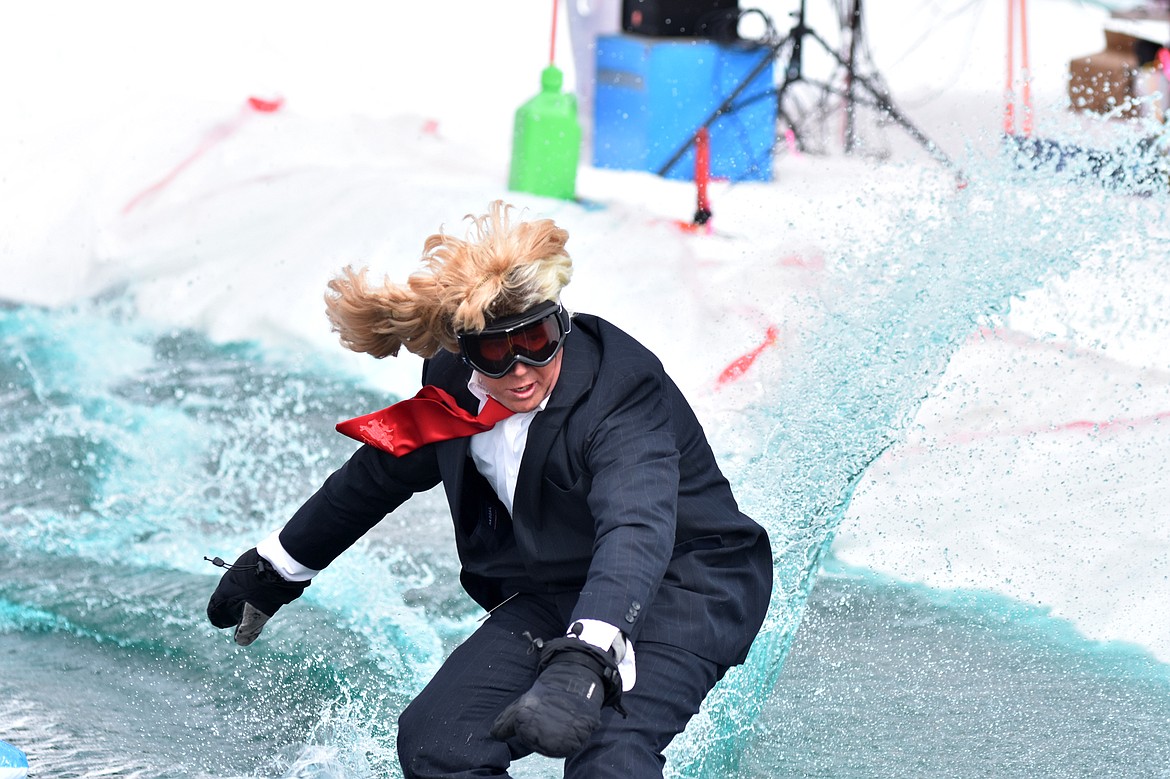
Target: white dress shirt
497, 452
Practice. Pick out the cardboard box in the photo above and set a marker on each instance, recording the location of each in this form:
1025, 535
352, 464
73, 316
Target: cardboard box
1117, 41
1112, 78
1103, 82
1139, 26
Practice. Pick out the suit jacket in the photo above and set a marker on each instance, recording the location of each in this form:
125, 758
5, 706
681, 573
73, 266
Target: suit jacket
620, 505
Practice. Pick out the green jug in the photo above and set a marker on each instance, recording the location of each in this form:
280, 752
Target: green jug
546, 141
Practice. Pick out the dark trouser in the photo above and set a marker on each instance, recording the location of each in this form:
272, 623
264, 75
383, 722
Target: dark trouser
445, 731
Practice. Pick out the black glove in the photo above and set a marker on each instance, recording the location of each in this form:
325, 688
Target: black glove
249, 594
563, 706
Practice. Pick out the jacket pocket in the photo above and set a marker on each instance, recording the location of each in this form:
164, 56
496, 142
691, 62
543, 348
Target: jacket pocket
696, 544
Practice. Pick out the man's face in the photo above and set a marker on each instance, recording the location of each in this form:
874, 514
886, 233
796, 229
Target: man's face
524, 387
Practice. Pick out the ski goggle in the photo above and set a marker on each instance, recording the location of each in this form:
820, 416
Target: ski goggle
533, 338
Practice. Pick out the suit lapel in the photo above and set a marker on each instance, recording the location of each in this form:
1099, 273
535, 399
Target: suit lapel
575, 379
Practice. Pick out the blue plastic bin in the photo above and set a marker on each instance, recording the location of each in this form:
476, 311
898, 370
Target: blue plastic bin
13, 762
653, 94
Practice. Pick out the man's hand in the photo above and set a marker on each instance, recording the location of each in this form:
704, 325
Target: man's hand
563, 707
248, 595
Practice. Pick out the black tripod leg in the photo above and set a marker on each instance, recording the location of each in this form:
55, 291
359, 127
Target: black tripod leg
784, 115
850, 70
725, 106
885, 104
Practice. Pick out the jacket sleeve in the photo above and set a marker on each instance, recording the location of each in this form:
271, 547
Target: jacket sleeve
634, 461
353, 499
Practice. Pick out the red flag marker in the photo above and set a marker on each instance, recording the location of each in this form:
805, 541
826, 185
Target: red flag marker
741, 364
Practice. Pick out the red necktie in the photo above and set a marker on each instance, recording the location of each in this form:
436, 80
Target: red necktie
431, 415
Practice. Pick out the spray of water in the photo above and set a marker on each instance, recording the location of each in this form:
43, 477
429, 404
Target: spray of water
885, 329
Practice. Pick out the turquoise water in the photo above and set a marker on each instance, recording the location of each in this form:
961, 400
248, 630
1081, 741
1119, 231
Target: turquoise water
133, 451
887, 679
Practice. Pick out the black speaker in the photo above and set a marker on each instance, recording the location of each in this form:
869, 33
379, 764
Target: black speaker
715, 19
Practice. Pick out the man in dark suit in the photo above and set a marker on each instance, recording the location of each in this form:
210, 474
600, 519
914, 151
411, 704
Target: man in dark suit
591, 519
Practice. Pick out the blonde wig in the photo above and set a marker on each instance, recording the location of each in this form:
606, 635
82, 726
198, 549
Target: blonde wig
503, 267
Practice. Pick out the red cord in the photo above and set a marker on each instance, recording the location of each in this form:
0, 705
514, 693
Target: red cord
1009, 113
1009, 116
1027, 71
552, 48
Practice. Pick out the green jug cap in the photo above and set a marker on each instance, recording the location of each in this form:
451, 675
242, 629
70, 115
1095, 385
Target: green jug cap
551, 79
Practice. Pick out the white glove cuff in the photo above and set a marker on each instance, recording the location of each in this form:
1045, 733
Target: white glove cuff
271, 550
606, 637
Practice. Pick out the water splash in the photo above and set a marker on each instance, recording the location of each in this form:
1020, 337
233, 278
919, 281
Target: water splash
125, 464
881, 337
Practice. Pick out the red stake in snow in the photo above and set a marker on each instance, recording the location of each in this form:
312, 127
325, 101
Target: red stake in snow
702, 175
